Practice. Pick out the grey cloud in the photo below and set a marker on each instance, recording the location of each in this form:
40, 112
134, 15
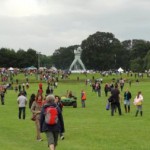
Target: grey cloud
69, 22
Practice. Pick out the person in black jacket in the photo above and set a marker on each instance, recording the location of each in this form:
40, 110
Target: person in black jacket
32, 99
2, 94
60, 105
48, 90
115, 94
51, 131
127, 97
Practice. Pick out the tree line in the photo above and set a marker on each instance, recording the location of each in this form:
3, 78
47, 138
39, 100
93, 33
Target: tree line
22, 58
101, 51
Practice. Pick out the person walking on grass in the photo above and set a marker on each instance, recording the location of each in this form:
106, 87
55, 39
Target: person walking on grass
22, 102
83, 98
36, 110
51, 130
2, 94
127, 98
115, 94
138, 103
31, 100
60, 105
106, 89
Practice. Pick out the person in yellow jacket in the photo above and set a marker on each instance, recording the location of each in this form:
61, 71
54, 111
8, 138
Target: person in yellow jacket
83, 98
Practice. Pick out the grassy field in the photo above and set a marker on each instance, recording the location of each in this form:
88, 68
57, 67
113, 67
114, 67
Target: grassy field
91, 128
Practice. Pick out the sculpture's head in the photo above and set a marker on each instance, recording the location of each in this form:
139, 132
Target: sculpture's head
79, 49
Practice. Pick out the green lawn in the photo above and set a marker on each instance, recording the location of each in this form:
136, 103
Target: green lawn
91, 128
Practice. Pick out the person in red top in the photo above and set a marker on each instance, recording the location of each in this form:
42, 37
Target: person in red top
40, 85
83, 98
40, 91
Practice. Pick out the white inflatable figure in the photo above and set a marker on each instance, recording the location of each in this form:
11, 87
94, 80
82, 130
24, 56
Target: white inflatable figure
77, 61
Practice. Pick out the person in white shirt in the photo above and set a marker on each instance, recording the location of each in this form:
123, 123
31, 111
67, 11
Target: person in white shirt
22, 102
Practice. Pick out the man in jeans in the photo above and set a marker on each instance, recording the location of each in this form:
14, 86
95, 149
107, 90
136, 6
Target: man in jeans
22, 101
116, 100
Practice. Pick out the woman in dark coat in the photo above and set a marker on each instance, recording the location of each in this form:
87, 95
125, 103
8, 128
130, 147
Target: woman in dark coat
51, 131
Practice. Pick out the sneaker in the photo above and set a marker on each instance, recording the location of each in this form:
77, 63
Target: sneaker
39, 140
62, 137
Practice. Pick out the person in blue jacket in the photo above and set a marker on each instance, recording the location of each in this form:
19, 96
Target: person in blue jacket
127, 98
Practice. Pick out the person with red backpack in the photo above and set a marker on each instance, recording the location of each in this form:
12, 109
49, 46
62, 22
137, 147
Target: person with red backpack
50, 121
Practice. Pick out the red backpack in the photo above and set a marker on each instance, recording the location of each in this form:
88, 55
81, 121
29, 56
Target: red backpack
51, 115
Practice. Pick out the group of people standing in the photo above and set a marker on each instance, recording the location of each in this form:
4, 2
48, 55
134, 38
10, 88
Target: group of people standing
114, 100
96, 87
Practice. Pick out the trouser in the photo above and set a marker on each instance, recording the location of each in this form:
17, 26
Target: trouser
83, 103
127, 108
22, 110
52, 137
37, 125
99, 93
127, 105
2, 100
114, 106
139, 109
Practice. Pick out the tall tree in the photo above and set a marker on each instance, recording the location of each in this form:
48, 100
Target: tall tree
127, 44
136, 64
31, 57
147, 61
100, 51
21, 59
7, 57
139, 48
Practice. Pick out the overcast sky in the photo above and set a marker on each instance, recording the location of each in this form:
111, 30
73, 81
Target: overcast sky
46, 25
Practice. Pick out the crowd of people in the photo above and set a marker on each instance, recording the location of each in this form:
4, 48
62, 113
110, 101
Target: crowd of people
38, 103
115, 99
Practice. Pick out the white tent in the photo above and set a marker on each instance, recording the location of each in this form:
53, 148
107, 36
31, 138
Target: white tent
53, 68
120, 70
31, 68
42, 68
11, 69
